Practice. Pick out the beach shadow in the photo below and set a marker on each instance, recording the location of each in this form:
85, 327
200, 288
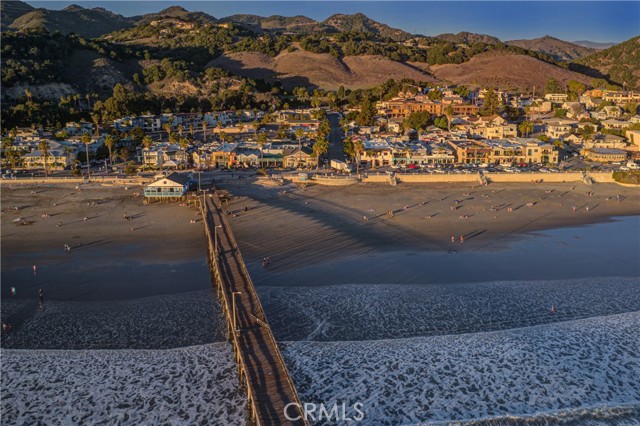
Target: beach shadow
138, 215
594, 207
144, 226
91, 244
474, 234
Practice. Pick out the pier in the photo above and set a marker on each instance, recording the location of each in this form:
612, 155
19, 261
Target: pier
261, 369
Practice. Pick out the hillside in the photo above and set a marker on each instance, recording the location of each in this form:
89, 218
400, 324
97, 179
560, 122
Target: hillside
594, 44
505, 71
72, 19
469, 38
620, 63
294, 24
12, 10
559, 49
302, 68
362, 24
177, 12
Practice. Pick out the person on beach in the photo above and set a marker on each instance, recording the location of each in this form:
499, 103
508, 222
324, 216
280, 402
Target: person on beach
573, 209
366, 219
453, 239
6, 327
461, 239
13, 291
553, 309
40, 298
86, 218
35, 269
59, 224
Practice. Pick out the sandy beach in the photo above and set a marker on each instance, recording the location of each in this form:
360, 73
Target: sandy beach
303, 226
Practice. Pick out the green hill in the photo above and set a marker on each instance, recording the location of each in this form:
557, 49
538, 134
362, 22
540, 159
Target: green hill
620, 63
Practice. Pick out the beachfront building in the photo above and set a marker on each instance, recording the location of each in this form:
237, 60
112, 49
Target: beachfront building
470, 151
57, 159
556, 128
172, 187
376, 153
293, 158
605, 155
621, 97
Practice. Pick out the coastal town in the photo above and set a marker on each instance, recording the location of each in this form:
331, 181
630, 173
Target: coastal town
422, 129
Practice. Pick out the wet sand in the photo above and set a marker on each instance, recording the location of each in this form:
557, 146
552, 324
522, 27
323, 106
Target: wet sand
324, 225
141, 282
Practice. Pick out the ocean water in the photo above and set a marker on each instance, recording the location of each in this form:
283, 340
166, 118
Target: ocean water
193, 385
577, 372
449, 343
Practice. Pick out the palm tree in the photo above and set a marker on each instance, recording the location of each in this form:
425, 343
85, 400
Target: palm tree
299, 134
262, 140
320, 147
108, 142
448, 112
180, 130
167, 128
86, 140
358, 149
204, 131
184, 143
586, 132
44, 147
96, 121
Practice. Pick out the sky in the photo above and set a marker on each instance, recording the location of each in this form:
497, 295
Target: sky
600, 21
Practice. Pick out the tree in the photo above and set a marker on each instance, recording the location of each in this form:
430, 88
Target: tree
417, 120
434, 95
299, 135
320, 147
262, 139
448, 112
576, 88
86, 140
167, 128
491, 103
560, 113
358, 149
525, 128
184, 143
204, 131
147, 142
367, 113
552, 86
108, 142
44, 147
586, 133
370, 154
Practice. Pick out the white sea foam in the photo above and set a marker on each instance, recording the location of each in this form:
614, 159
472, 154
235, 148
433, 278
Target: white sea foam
192, 385
369, 312
586, 369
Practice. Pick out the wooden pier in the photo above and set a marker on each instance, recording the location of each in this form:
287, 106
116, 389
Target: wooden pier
261, 368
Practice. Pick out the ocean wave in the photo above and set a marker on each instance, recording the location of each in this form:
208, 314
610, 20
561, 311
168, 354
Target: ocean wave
385, 311
193, 385
486, 377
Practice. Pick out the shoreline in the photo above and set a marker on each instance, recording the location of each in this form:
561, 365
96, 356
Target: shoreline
316, 225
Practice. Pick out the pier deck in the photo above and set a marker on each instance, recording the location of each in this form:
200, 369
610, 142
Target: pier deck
261, 368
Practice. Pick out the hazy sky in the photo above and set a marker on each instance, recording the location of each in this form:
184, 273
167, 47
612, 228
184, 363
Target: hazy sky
603, 21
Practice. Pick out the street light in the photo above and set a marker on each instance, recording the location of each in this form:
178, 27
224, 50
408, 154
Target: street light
233, 303
215, 239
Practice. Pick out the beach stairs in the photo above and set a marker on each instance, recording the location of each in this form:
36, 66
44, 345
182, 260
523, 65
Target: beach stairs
482, 179
586, 179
